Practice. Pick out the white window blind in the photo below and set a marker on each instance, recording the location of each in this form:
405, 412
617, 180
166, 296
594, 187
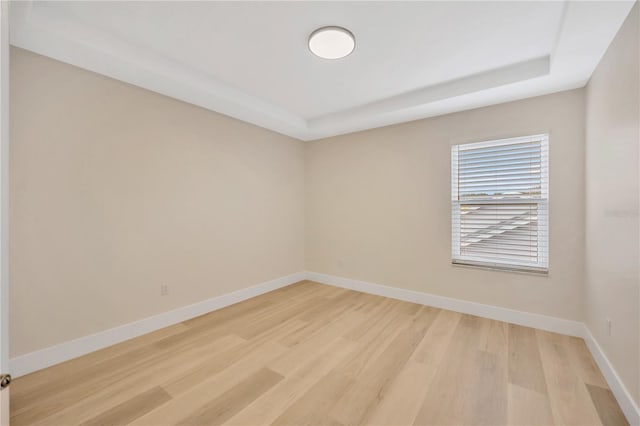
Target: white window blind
500, 203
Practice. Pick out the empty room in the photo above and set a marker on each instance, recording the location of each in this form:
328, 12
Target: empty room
319, 213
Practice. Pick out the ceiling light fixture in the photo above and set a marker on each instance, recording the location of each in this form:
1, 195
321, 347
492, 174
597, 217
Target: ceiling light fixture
332, 42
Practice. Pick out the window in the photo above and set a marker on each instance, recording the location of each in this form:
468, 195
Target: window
500, 203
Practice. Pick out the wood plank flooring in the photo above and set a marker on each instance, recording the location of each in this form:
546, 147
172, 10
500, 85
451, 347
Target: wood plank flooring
311, 354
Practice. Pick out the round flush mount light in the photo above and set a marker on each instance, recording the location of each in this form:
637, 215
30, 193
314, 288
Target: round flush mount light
332, 42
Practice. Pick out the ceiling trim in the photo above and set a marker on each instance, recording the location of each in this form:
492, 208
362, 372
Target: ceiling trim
72, 42
576, 53
461, 86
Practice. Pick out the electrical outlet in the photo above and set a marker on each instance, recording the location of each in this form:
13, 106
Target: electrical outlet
608, 326
164, 290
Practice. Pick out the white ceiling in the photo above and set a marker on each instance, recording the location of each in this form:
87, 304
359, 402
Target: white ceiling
250, 60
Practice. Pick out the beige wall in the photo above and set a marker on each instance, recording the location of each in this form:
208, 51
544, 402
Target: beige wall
116, 190
378, 205
613, 203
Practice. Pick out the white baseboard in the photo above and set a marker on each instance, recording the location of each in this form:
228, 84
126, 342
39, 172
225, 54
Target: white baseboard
28, 363
37, 360
543, 322
620, 391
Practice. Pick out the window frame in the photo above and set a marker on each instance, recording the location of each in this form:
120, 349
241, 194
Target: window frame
542, 209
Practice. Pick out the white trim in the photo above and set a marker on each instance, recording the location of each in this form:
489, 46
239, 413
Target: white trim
620, 391
4, 185
528, 319
4, 206
37, 360
28, 363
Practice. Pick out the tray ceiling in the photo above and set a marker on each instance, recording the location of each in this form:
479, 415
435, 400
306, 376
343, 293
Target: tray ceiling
250, 60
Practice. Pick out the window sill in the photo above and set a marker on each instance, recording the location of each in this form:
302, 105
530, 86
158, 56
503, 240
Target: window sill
500, 268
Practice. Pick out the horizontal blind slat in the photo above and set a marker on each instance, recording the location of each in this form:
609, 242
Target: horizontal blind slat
500, 179
532, 162
495, 148
499, 149
523, 153
521, 250
525, 167
499, 255
530, 152
504, 197
524, 239
499, 185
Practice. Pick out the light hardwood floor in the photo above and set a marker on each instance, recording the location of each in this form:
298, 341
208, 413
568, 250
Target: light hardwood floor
314, 354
